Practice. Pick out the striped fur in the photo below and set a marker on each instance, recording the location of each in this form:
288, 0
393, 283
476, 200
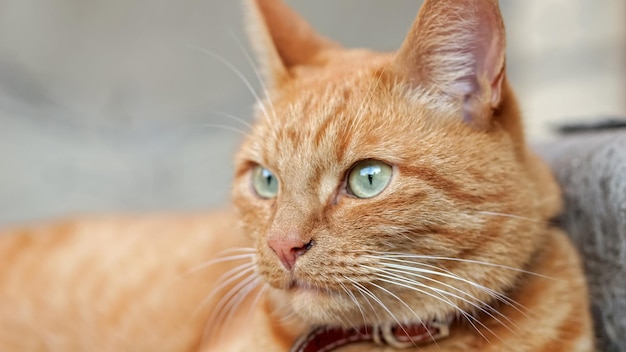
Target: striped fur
461, 232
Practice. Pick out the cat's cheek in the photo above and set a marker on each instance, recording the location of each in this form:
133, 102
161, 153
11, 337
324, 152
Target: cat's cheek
253, 213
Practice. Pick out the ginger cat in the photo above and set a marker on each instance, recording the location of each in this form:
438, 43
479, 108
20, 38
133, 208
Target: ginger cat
382, 201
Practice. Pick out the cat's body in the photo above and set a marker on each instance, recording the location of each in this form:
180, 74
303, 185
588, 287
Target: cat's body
109, 284
375, 189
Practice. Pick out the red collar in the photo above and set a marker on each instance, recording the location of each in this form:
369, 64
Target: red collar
327, 339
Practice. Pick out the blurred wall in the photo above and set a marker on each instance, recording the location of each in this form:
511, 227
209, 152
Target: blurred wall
125, 105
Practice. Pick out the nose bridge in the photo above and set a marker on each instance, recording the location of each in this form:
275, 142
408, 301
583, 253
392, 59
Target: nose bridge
292, 220
289, 235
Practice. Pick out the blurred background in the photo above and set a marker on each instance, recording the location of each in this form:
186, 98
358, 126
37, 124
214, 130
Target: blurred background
115, 105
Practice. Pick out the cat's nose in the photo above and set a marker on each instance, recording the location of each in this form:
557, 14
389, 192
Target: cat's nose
289, 249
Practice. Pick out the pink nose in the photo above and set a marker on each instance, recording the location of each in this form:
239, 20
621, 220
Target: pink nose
288, 249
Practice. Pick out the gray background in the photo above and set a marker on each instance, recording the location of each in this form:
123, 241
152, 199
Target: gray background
114, 105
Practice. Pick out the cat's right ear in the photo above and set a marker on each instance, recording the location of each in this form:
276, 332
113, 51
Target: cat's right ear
282, 39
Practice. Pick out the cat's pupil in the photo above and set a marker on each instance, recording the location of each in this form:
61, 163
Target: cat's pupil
268, 177
368, 178
370, 171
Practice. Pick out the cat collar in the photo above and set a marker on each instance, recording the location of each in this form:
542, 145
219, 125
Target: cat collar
325, 339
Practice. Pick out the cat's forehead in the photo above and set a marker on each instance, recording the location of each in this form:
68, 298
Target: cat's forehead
331, 118
322, 118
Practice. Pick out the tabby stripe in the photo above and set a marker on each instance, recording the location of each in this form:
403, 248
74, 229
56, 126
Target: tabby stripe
449, 187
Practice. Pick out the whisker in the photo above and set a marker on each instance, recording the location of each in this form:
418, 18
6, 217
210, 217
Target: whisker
226, 304
233, 117
256, 72
356, 303
236, 71
224, 127
392, 255
406, 280
469, 317
220, 258
446, 273
365, 298
283, 312
234, 273
240, 297
445, 285
377, 300
236, 249
215, 261
368, 96
432, 338
518, 217
256, 300
285, 319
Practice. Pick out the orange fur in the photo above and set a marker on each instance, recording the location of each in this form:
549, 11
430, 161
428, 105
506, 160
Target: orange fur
464, 186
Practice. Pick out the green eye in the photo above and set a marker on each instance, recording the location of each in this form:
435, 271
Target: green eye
264, 182
368, 178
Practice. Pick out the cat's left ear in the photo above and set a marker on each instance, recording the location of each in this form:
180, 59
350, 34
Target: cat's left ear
456, 49
282, 39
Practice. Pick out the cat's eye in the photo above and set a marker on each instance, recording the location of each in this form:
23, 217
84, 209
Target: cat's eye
368, 178
264, 182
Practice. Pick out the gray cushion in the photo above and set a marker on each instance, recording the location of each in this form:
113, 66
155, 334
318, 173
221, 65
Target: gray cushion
591, 168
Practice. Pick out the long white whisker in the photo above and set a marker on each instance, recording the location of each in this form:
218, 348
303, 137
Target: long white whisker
256, 300
388, 270
233, 117
382, 305
256, 72
392, 255
225, 304
241, 296
221, 260
236, 249
368, 96
485, 304
291, 316
224, 127
233, 275
518, 217
410, 309
392, 276
469, 317
356, 302
446, 273
237, 72
366, 299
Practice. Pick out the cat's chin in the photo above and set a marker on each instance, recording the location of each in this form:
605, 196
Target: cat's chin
318, 306
302, 294
311, 304
315, 305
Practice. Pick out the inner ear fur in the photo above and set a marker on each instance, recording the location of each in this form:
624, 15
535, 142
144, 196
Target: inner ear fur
457, 49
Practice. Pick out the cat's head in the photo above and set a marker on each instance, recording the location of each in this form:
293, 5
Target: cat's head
378, 185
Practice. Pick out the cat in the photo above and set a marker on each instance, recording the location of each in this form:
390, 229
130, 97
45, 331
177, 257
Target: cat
381, 201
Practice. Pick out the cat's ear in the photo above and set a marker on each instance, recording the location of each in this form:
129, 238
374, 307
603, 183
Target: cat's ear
457, 49
282, 39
